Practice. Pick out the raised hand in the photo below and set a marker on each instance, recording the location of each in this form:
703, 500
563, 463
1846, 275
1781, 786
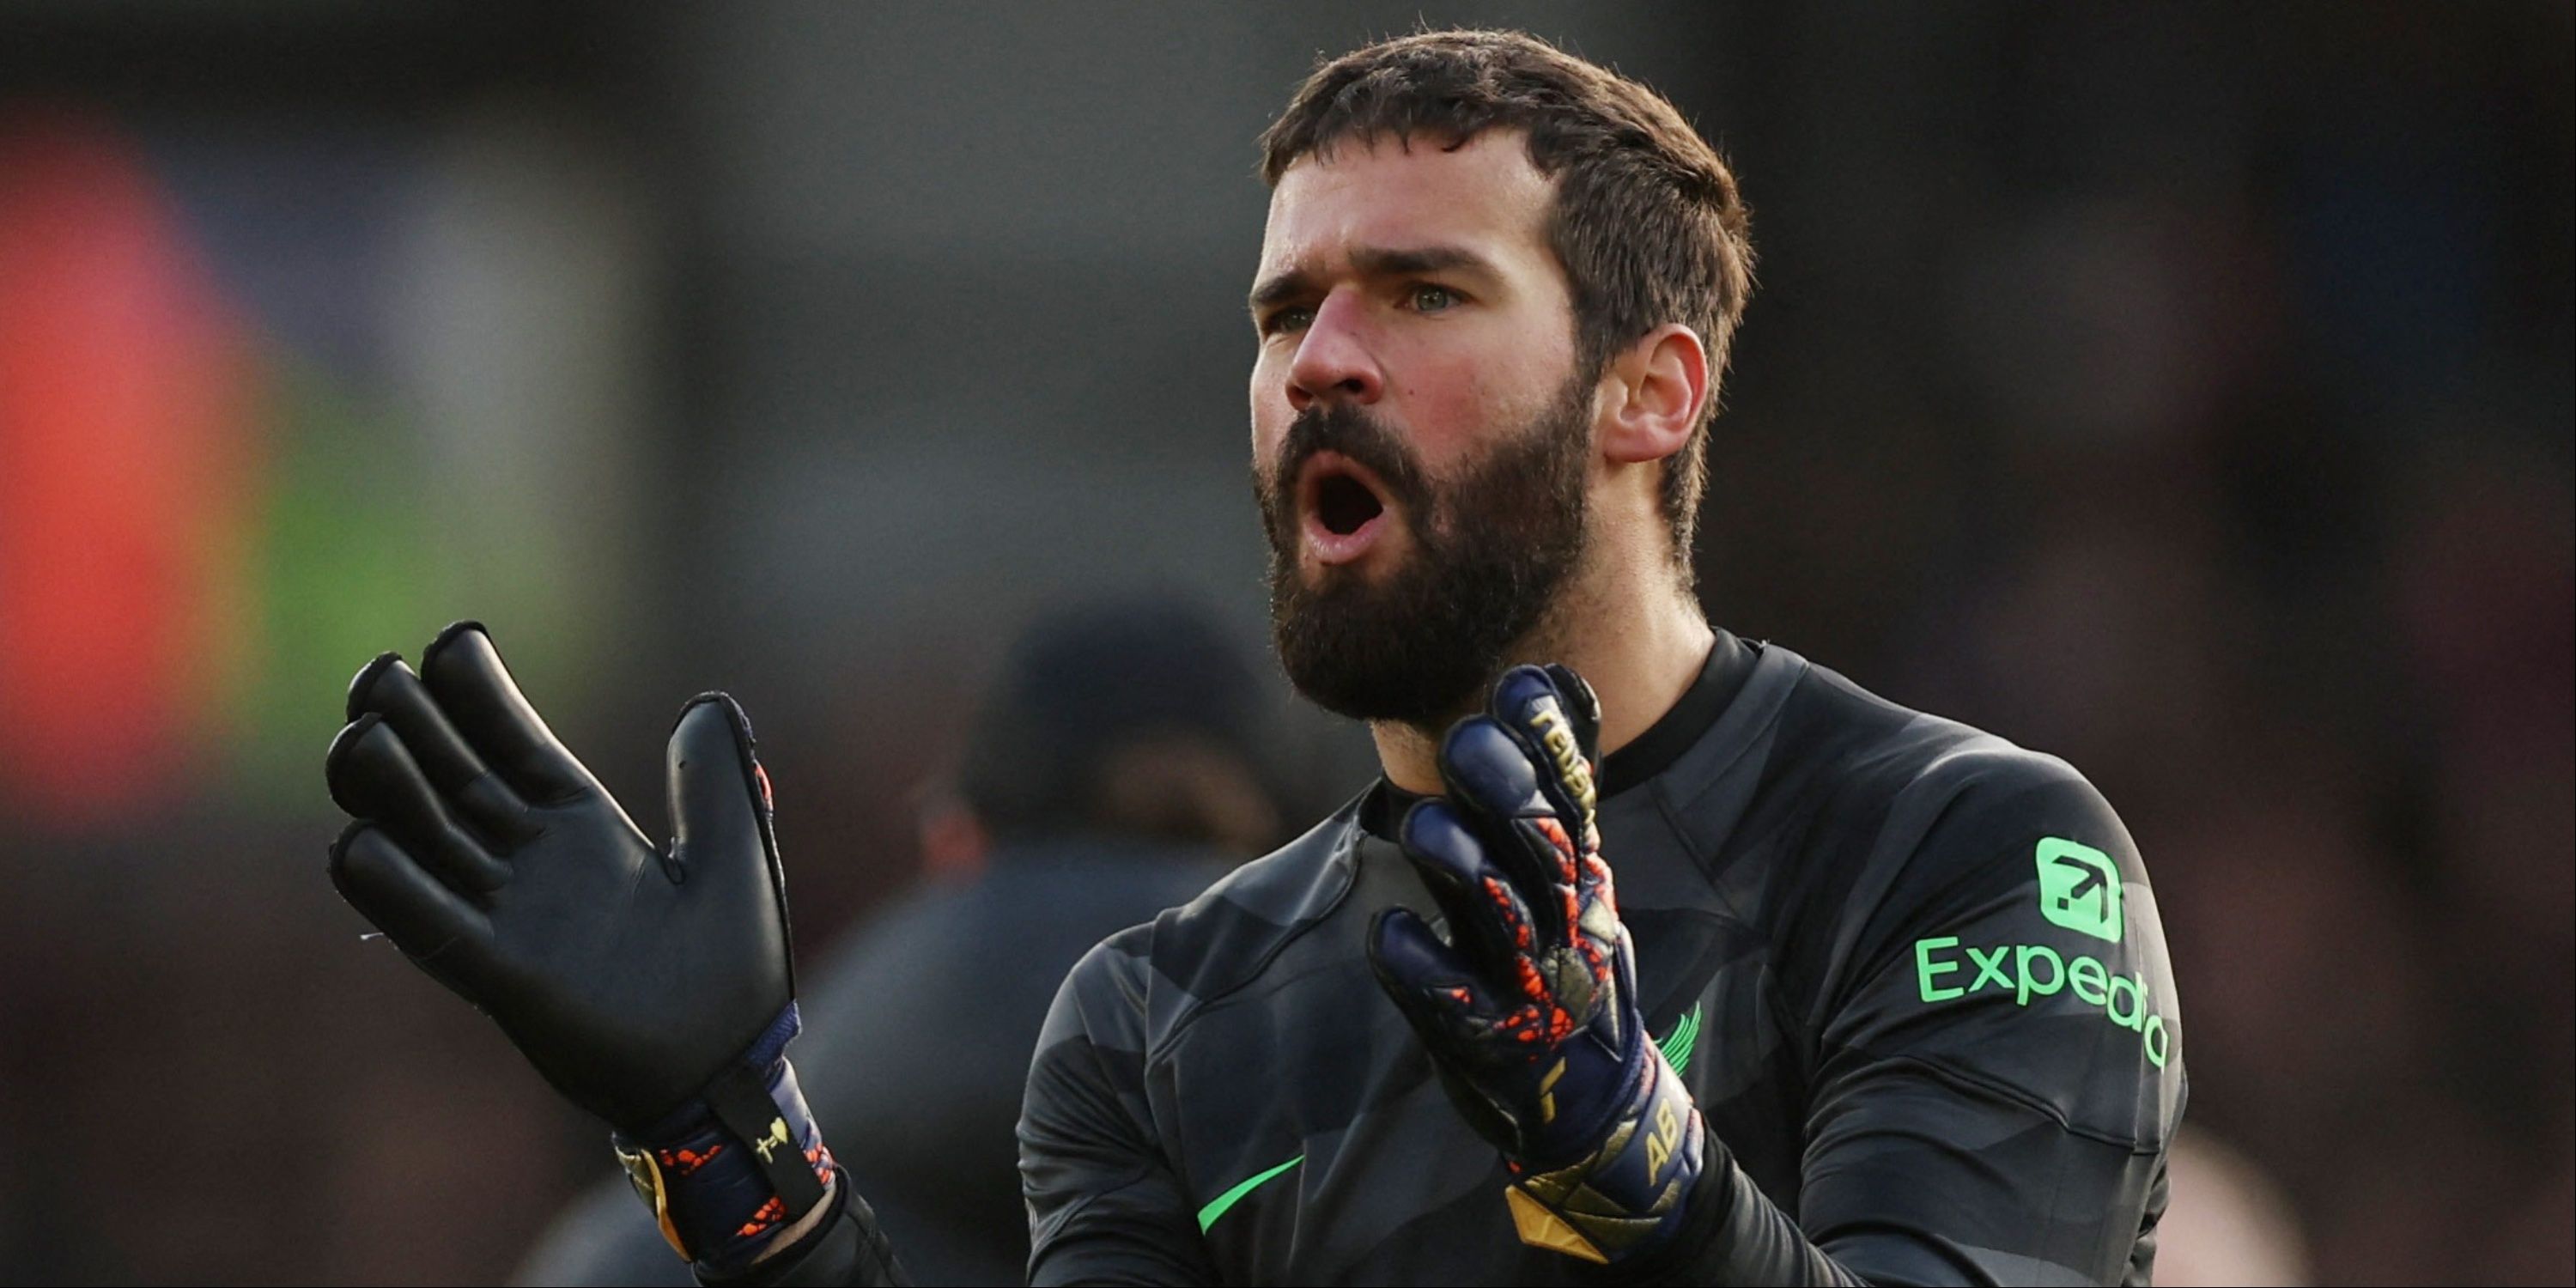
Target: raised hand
652, 985
1528, 1005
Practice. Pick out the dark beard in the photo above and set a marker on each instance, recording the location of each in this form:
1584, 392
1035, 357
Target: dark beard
1492, 549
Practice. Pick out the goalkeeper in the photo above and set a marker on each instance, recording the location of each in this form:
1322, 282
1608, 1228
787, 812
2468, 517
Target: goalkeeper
1793, 985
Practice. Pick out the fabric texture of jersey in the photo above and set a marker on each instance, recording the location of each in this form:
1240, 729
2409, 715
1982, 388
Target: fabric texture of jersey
1912, 974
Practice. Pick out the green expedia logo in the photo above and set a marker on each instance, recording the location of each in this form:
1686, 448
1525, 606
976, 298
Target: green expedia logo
2026, 971
2079, 888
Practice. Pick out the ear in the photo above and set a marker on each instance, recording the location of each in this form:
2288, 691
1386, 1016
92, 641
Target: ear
1656, 390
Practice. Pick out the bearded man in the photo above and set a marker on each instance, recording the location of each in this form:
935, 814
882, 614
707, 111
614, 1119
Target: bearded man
1875, 997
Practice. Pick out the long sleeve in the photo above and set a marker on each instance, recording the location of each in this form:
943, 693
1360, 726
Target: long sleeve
1997, 1078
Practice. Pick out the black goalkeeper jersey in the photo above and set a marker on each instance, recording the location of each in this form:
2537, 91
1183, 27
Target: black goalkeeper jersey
1912, 974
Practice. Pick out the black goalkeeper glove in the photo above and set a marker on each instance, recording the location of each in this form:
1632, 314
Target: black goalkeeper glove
652, 985
1528, 1007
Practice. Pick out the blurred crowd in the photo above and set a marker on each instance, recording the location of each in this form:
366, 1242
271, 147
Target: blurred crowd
2239, 476
2183, 391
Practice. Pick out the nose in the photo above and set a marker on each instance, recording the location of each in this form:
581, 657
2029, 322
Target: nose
1333, 359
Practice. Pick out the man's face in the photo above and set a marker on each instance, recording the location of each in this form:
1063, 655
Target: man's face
1421, 436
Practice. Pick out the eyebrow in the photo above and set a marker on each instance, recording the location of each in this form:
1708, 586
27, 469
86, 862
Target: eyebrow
1374, 261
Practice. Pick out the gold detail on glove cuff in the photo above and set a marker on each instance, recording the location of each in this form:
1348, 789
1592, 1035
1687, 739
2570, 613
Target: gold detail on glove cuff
777, 1136
1561, 1211
646, 1176
1547, 1092
1540, 1228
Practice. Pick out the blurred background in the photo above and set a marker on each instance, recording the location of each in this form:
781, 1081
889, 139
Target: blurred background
2182, 390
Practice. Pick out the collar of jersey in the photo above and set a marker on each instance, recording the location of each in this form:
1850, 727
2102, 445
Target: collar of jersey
1721, 677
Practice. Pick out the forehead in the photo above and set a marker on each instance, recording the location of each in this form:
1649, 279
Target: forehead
1377, 192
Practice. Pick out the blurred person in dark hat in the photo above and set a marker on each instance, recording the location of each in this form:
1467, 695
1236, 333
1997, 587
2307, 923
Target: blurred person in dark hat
1114, 770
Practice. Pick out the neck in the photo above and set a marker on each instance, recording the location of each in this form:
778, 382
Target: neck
1638, 639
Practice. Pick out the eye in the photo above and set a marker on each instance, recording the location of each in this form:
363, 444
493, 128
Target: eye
1282, 321
1428, 298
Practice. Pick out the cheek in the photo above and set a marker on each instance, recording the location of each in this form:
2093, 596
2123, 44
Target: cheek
1271, 414
1454, 404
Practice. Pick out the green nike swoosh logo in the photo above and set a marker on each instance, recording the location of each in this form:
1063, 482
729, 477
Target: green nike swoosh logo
1217, 1206
1678, 1044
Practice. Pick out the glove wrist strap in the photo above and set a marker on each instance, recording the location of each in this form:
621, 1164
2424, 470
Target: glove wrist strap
1628, 1193
749, 1108
734, 1168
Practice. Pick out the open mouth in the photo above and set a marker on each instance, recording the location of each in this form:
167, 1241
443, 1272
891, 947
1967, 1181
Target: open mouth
1344, 507
1343, 504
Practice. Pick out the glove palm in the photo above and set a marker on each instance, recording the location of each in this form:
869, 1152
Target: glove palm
629, 974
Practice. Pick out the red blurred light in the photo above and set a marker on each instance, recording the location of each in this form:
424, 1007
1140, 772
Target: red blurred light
122, 406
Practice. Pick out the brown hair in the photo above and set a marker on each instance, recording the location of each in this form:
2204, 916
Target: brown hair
1647, 221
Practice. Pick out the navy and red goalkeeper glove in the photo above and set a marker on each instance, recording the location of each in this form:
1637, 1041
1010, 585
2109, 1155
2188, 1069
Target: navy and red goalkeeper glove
652, 985
1528, 1005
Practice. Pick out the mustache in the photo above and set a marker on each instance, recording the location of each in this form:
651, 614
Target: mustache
1353, 433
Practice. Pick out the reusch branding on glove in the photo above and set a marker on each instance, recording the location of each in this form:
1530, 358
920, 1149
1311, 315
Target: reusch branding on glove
2079, 889
1557, 736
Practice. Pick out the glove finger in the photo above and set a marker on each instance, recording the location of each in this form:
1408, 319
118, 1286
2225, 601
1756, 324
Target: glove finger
464, 672
1493, 776
1582, 706
424, 918
373, 776
389, 687
1488, 917
1438, 991
1488, 770
722, 841
1558, 731
1584, 880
